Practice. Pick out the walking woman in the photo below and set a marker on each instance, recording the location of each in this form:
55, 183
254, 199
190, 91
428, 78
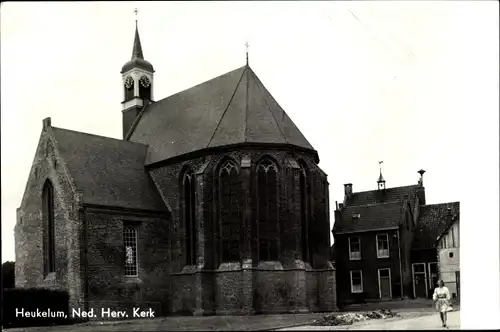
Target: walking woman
442, 299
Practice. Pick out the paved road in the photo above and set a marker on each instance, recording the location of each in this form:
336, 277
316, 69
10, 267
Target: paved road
427, 322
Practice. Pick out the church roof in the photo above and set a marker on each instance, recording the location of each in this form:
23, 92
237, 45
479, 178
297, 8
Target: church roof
230, 109
109, 171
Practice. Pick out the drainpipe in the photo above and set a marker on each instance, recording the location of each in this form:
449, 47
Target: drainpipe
400, 267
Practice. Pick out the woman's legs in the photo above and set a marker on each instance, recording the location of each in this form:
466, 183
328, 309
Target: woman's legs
444, 318
441, 314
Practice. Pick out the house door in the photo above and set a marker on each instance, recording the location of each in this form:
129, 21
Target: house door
419, 280
384, 283
433, 278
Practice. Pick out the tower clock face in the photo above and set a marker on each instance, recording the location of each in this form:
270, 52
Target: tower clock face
129, 82
145, 82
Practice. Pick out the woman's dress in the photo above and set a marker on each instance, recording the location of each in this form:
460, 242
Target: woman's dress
442, 298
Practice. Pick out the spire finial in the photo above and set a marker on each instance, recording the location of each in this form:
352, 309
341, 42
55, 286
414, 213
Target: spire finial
137, 49
381, 181
247, 46
136, 11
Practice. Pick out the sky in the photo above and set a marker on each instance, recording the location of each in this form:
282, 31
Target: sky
412, 84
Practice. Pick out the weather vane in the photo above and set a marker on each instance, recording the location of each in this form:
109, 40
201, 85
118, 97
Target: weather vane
136, 11
246, 46
380, 165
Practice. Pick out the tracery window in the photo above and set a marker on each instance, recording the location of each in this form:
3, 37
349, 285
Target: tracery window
267, 210
49, 256
189, 216
229, 211
304, 213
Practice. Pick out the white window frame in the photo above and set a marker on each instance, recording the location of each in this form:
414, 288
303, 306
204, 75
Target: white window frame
136, 251
390, 283
352, 255
384, 254
352, 285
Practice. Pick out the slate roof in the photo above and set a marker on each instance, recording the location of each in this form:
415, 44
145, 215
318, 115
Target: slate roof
388, 195
109, 171
137, 59
432, 222
371, 217
230, 109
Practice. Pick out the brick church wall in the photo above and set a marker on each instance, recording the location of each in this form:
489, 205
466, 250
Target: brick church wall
206, 289
108, 286
28, 231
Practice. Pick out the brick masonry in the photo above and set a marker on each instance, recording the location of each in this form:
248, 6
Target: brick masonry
90, 255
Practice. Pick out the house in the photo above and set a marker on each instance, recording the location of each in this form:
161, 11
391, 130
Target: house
212, 203
432, 221
448, 245
381, 241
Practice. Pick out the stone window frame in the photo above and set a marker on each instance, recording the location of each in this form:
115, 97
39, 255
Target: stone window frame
275, 238
48, 217
229, 243
188, 214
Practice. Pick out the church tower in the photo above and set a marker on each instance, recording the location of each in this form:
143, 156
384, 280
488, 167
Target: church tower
137, 82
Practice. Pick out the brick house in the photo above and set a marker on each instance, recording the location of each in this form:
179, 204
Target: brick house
448, 246
378, 251
212, 203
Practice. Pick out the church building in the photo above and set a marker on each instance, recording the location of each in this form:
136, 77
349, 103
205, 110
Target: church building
212, 203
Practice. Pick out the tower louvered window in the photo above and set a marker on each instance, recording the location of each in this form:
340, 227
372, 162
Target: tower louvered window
267, 210
188, 214
229, 212
49, 256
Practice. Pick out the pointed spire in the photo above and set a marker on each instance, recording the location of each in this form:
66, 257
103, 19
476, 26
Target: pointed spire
137, 49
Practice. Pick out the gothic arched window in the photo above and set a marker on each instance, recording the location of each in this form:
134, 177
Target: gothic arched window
267, 210
49, 256
229, 212
188, 216
304, 212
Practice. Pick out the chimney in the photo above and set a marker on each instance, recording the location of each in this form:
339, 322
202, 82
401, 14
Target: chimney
347, 192
421, 180
421, 189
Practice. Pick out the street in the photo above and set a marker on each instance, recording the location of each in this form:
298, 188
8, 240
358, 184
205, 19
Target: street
427, 322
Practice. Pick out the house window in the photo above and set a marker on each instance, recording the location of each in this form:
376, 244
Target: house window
354, 248
49, 255
304, 209
267, 210
382, 246
188, 215
229, 212
356, 281
130, 244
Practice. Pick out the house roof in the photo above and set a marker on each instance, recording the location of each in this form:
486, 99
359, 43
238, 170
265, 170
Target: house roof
230, 109
433, 220
372, 217
453, 221
388, 195
109, 171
